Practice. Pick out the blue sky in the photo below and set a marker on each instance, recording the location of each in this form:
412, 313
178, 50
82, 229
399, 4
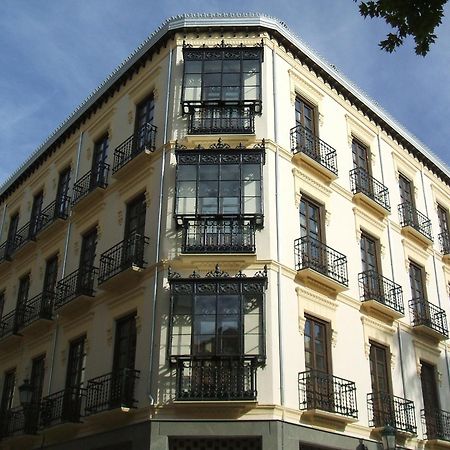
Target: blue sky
55, 52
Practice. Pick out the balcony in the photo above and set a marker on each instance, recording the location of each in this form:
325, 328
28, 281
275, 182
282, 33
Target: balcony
318, 264
135, 148
217, 380
57, 210
314, 152
114, 390
399, 413
428, 319
436, 425
126, 258
444, 240
213, 119
369, 192
9, 325
20, 421
4, 252
380, 295
218, 236
76, 290
326, 397
94, 181
62, 407
415, 224
24, 235
37, 310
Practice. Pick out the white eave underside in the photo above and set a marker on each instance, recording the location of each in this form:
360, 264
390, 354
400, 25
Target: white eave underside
221, 20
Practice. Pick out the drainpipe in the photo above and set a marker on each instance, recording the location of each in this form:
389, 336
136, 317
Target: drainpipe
399, 337
277, 216
435, 273
63, 268
158, 233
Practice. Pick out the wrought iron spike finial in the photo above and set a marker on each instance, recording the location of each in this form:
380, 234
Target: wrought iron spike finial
262, 273
240, 275
194, 274
217, 273
172, 274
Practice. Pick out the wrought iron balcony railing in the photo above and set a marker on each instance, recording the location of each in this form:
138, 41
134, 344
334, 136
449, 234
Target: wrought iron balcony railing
373, 286
61, 407
226, 119
20, 421
22, 236
313, 254
128, 253
110, 391
387, 409
409, 216
38, 307
95, 178
227, 379
143, 139
444, 240
59, 209
80, 282
218, 236
425, 313
436, 424
304, 141
8, 324
325, 392
4, 252
361, 181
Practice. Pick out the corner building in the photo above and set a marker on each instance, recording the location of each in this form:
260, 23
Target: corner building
226, 246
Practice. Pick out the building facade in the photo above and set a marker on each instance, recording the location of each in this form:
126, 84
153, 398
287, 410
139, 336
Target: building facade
226, 246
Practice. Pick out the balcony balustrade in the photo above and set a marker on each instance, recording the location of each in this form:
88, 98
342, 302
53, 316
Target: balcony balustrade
384, 409
62, 407
428, 318
130, 253
111, 391
59, 209
38, 307
362, 183
95, 178
444, 240
375, 287
436, 424
20, 421
218, 236
304, 142
79, 283
228, 379
313, 255
8, 324
142, 141
320, 391
22, 236
412, 219
215, 119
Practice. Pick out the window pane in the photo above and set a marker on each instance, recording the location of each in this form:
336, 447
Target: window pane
186, 205
204, 344
228, 304
192, 94
231, 79
205, 304
251, 93
230, 172
251, 79
232, 65
213, 66
186, 172
205, 324
252, 205
250, 66
193, 67
193, 80
182, 304
252, 188
229, 345
211, 93
229, 189
207, 205
181, 344
208, 188
211, 79
251, 172
231, 93
229, 205
208, 172
252, 344
187, 189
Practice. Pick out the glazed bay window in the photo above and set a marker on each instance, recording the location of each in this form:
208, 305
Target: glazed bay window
219, 198
222, 88
217, 334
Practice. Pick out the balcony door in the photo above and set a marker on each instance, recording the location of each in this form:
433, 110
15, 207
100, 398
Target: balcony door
74, 380
431, 402
122, 381
406, 190
49, 286
144, 120
418, 292
9, 383
134, 232
383, 409
444, 234
373, 287
361, 164
98, 173
37, 385
36, 209
87, 259
305, 122
62, 193
22, 298
12, 231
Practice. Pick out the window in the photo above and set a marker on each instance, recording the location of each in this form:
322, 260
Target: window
369, 253
135, 217
51, 275
317, 345
76, 363
305, 115
406, 190
12, 230
22, 297
125, 344
37, 378
228, 75
99, 173
217, 317
416, 278
9, 383
443, 219
87, 260
360, 155
219, 183
435, 422
62, 200
145, 113
2, 303
36, 212
310, 219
